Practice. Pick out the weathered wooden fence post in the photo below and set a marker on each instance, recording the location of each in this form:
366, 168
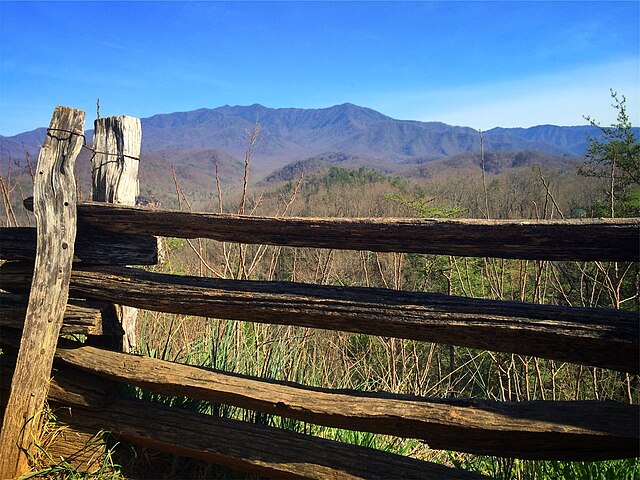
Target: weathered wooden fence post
116, 143
55, 211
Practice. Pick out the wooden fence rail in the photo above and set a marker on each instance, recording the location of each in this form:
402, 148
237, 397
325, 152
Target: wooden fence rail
112, 235
93, 246
595, 430
590, 336
576, 239
270, 452
83, 317
267, 451
535, 430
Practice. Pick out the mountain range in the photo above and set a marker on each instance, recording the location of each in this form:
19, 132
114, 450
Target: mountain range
288, 136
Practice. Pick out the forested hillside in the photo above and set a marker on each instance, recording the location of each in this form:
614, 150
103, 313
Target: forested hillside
190, 140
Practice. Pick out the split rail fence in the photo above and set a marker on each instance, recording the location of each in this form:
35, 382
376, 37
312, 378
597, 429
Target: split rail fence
57, 281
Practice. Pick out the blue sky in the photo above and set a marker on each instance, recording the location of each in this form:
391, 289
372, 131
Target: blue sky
479, 64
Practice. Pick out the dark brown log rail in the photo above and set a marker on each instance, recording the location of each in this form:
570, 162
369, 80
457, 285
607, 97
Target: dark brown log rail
80, 317
268, 451
589, 336
604, 239
534, 430
93, 246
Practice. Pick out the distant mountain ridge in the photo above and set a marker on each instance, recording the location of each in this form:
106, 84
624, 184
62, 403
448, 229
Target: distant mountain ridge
573, 140
294, 134
291, 134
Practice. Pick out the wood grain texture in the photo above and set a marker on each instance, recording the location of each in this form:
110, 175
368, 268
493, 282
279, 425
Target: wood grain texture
93, 246
598, 337
116, 141
68, 386
55, 211
267, 451
575, 239
583, 430
590, 336
80, 317
83, 449
114, 179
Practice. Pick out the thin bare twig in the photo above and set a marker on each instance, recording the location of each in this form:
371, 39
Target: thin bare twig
549, 194
484, 181
218, 186
6, 195
253, 139
28, 158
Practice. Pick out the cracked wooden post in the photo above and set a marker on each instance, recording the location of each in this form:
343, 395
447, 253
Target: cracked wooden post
116, 143
55, 211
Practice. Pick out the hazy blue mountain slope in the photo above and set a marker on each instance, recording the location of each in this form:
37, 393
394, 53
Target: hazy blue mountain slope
496, 162
567, 140
11, 147
293, 134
